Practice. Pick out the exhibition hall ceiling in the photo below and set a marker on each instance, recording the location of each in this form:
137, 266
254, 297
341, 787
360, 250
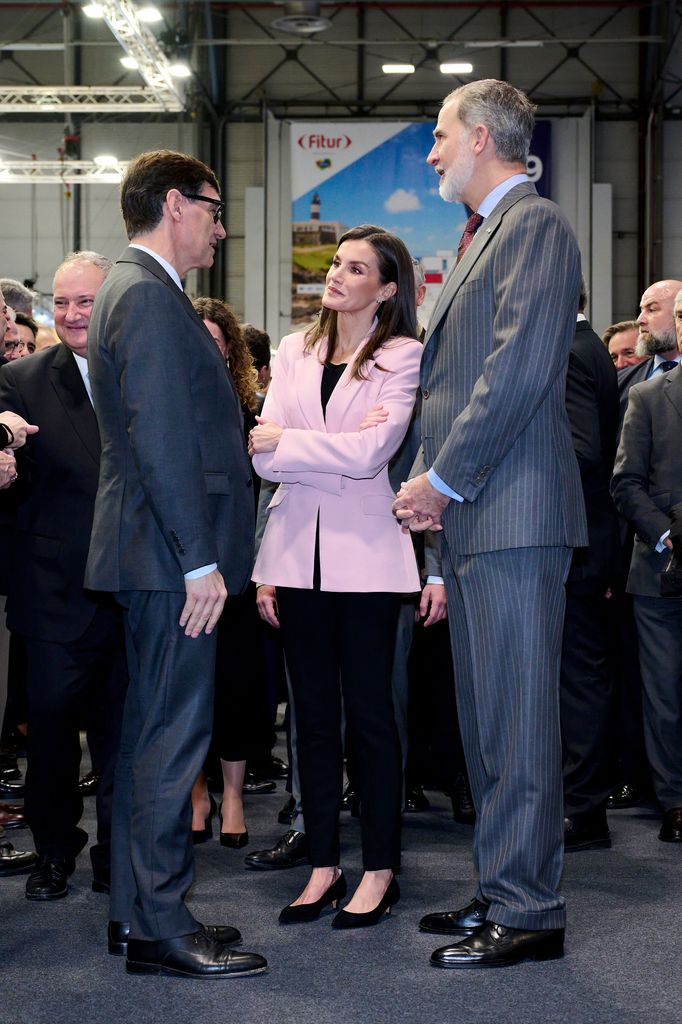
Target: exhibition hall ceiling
333, 59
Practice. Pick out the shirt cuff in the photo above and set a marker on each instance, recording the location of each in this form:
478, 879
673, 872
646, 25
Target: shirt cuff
441, 486
435, 579
203, 570
661, 547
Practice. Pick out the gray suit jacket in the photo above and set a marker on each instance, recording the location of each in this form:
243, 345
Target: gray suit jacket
175, 489
493, 378
647, 478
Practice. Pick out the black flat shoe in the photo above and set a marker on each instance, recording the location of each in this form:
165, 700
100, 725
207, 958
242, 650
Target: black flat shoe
456, 922
344, 919
118, 934
202, 835
311, 911
235, 840
191, 956
493, 945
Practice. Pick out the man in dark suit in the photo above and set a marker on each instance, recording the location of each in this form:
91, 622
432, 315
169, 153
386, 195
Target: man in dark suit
173, 529
647, 483
586, 676
656, 338
73, 640
503, 481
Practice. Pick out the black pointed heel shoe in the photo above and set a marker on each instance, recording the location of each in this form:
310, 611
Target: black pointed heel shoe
311, 911
235, 840
344, 919
202, 835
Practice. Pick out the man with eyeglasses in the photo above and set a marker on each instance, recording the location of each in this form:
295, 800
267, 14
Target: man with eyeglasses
173, 533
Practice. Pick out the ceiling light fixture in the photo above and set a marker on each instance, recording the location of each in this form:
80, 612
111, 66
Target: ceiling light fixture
93, 11
179, 70
149, 14
398, 69
130, 62
105, 160
456, 68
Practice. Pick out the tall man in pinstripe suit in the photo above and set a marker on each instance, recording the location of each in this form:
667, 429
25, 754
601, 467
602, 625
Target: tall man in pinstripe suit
502, 483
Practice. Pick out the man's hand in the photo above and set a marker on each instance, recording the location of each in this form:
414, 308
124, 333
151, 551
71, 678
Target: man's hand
266, 601
19, 427
419, 505
376, 415
205, 601
8, 469
265, 437
432, 606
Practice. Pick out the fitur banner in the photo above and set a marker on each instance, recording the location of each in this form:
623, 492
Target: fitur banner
344, 174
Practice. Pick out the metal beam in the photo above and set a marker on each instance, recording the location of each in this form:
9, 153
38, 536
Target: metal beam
38, 99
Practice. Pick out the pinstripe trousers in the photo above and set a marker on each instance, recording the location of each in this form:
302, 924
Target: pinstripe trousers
506, 612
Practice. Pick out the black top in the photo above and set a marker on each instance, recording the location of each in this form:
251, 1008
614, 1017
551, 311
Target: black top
331, 376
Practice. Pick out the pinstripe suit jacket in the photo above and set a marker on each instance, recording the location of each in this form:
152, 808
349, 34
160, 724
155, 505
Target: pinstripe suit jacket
493, 378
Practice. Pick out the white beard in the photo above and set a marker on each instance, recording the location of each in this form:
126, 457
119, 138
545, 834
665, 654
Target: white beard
455, 180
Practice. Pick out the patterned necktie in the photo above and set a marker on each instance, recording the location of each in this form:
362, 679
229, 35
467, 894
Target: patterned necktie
667, 364
471, 227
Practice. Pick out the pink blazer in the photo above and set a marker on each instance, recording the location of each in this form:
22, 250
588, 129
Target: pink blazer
337, 471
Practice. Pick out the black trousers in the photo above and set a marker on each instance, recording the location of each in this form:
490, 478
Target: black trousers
586, 699
343, 644
59, 677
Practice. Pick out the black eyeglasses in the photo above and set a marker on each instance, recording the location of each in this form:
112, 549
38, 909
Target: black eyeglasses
207, 199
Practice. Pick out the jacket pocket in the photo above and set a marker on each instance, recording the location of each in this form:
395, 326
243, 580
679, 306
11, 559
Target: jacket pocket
378, 505
217, 483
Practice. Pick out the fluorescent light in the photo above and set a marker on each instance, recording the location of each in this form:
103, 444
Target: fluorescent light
93, 11
180, 70
149, 14
398, 69
48, 107
457, 68
130, 63
106, 160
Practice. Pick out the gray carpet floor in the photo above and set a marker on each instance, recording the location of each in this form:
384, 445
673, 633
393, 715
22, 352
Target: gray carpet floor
623, 962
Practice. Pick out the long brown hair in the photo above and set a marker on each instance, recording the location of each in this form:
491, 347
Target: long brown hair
239, 358
397, 315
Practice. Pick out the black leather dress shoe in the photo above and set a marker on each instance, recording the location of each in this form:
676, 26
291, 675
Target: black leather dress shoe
292, 849
9, 819
494, 945
350, 801
118, 934
89, 784
50, 878
671, 828
191, 956
10, 786
286, 815
625, 796
416, 799
254, 783
587, 832
456, 922
15, 862
277, 768
463, 810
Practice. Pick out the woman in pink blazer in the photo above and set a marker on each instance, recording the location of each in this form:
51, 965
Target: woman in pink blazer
333, 561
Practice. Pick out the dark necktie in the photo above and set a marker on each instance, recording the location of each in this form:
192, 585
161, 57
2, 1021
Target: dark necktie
471, 227
667, 364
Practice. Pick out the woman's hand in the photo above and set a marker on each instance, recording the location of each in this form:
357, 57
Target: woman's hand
265, 437
8, 469
376, 415
266, 601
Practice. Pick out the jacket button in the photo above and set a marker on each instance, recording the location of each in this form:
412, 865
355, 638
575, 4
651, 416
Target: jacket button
425, 393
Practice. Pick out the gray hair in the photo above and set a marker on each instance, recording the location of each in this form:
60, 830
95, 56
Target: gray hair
506, 112
86, 256
678, 299
419, 278
17, 295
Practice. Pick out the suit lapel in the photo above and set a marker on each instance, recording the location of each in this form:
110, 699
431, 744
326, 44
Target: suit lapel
672, 387
68, 384
461, 270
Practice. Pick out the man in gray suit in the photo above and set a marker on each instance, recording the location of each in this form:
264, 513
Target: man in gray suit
503, 485
647, 483
172, 533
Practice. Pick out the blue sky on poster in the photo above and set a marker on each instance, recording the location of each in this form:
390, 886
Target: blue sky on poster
394, 187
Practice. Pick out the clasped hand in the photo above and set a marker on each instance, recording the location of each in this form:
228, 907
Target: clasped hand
265, 437
419, 506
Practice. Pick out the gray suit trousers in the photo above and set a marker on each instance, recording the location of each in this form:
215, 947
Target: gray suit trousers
659, 626
506, 612
166, 732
